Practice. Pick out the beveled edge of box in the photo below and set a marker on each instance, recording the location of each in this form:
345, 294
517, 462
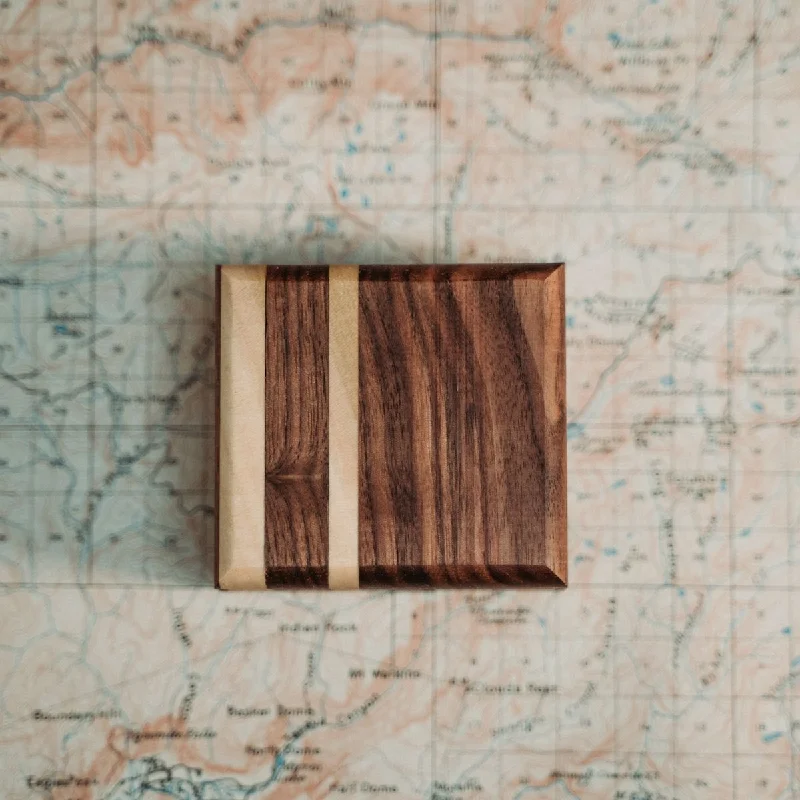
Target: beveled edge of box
556, 381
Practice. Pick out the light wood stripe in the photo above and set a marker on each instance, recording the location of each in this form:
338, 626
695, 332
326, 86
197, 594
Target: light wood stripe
343, 427
241, 428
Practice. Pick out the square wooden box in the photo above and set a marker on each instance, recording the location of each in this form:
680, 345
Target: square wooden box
391, 426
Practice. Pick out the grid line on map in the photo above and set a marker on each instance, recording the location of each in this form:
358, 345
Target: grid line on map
756, 107
533, 208
39, 312
731, 365
154, 266
790, 527
673, 401
435, 90
87, 546
623, 587
614, 609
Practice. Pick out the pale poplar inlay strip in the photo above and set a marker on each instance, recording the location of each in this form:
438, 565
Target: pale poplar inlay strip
241, 428
343, 427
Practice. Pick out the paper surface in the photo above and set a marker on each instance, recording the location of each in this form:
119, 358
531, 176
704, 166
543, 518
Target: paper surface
649, 145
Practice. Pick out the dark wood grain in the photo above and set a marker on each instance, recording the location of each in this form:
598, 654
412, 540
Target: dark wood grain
296, 441
461, 426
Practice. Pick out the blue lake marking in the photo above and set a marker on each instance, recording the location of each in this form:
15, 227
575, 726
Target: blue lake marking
609, 551
574, 430
570, 321
345, 192
619, 484
758, 408
745, 532
667, 380
352, 148
771, 737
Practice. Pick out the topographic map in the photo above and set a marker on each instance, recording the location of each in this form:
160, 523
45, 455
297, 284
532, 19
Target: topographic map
650, 144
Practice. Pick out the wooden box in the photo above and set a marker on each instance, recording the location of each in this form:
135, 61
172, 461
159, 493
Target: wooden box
391, 426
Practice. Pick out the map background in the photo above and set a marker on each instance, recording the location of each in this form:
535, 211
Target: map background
650, 145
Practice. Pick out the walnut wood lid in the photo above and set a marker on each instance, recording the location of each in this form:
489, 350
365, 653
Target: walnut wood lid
410, 429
